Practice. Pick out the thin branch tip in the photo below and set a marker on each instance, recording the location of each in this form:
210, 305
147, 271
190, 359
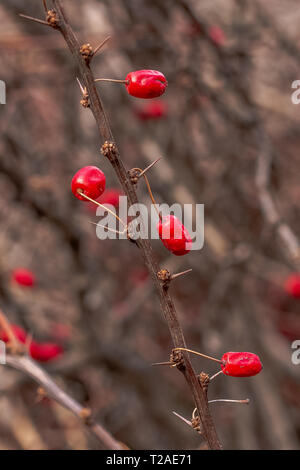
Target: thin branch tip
36, 20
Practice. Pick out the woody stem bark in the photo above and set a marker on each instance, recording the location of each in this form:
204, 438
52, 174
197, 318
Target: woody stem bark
167, 304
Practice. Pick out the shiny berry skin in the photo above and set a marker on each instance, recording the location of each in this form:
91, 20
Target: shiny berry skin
151, 110
45, 352
90, 180
174, 235
19, 333
146, 84
292, 286
23, 277
241, 364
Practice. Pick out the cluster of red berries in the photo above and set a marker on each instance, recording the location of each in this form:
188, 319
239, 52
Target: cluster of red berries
89, 184
42, 352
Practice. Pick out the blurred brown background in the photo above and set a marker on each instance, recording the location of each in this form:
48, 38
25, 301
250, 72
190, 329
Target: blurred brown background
229, 121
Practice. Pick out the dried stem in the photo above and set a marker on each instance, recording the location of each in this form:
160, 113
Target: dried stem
30, 368
110, 80
246, 401
199, 354
167, 304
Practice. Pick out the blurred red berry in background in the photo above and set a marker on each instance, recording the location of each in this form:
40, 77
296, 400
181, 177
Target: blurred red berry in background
138, 276
18, 332
292, 285
151, 110
23, 277
61, 331
217, 35
110, 196
45, 352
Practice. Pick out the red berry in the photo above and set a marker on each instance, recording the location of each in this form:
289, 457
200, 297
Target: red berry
90, 180
139, 276
153, 110
61, 331
23, 277
111, 196
45, 352
217, 35
174, 235
17, 330
146, 83
292, 285
241, 364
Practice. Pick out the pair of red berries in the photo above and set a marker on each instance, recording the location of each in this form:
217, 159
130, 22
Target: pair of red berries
89, 183
42, 352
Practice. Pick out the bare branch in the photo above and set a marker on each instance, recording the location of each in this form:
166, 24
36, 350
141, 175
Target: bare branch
30, 368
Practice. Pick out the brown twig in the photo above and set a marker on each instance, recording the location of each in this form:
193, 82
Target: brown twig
52, 390
111, 151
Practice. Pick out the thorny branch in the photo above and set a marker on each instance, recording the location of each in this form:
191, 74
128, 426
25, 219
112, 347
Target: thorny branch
111, 151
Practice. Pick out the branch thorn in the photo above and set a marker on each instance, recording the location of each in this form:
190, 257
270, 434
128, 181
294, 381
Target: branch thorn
36, 20
97, 49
